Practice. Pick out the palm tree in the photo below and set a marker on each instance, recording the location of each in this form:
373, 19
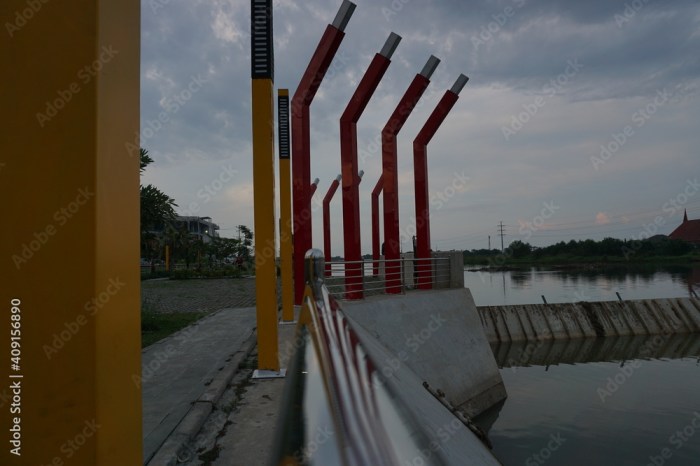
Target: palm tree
157, 212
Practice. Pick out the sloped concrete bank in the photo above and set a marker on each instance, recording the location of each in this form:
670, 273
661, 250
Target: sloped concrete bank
437, 335
538, 322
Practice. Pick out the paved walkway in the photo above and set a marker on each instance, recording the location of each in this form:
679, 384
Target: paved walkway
176, 370
241, 428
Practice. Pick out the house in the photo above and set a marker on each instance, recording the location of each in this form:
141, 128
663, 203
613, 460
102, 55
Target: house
202, 227
688, 231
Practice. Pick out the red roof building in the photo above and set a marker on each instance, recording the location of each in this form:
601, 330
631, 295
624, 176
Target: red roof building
688, 231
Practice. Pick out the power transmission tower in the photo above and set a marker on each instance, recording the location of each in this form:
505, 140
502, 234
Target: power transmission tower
501, 233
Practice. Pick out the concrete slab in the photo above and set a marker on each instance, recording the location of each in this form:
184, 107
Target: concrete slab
449, 439
632, 319
177, 370
691, 307
439, 336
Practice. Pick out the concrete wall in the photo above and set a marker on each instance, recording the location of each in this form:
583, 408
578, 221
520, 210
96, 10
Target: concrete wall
438, 335
583, 350
595, 319
450, 441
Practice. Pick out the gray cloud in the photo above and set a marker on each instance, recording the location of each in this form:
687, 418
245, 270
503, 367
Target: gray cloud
627, 54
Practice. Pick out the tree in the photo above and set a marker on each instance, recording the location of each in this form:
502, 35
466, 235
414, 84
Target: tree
157, 212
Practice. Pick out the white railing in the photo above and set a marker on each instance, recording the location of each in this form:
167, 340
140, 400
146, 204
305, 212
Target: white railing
387, 276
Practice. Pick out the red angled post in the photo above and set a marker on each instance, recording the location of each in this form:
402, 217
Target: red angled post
375, 225
348, 156
301, 139
420, 173
392, 242
327, 222
313, 188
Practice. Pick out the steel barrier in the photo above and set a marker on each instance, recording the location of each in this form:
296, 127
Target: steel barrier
337, 408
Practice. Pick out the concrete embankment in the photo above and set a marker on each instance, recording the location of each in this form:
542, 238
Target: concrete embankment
584, 350
590, 319
437, 335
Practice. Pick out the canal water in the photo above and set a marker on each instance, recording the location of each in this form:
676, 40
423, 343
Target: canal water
614, 401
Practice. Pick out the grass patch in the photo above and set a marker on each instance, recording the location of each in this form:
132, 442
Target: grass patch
156, 325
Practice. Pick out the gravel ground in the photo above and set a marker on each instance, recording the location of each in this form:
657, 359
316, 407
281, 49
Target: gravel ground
205, 295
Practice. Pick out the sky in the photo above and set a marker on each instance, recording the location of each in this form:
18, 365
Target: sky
580, 119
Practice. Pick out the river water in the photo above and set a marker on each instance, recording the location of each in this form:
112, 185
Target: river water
565, 285
631, 401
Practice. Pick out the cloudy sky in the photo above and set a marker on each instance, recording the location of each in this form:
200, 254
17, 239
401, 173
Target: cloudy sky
580, 119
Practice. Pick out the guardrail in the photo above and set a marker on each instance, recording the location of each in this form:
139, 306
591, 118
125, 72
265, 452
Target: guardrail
336, 408
390, 276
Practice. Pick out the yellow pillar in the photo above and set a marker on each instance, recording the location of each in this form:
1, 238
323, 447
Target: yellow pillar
286, 243
264, 185
69, 176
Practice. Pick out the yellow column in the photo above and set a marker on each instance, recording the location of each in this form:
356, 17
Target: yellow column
69, 175
286, 243
264, 185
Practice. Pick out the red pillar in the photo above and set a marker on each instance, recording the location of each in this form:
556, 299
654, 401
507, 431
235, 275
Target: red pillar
392, 242
375, 225
301, 149
327, 222
348, 155
420, 173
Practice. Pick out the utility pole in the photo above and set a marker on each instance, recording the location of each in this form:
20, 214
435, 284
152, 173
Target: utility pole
489, 242
501, 233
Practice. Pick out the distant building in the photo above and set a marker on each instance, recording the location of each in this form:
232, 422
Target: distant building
202, 227
688, 231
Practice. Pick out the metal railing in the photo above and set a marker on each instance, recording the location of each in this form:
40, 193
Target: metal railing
337, 407
390, 276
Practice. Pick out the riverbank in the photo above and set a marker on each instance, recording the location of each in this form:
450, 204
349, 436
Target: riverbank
506, 262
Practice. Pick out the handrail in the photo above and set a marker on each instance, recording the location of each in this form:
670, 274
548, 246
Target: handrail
407, 273
334, 384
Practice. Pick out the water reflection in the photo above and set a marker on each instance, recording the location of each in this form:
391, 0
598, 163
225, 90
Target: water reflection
613, 401
582, 283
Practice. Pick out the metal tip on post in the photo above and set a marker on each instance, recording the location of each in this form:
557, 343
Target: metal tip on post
316, 181
314, 265
430, 66
361, 174
390, 45
343, 17
459, 84
338, 178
